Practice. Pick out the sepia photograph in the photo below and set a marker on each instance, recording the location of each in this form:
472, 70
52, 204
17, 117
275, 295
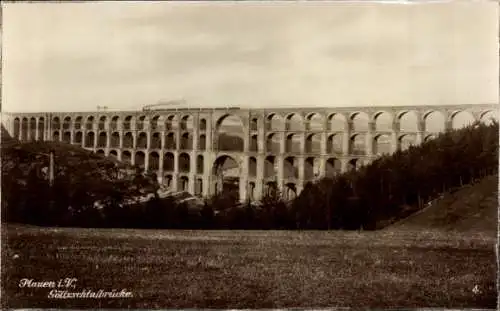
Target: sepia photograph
249, 155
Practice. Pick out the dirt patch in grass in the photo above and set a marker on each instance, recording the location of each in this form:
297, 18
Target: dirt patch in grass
251, 269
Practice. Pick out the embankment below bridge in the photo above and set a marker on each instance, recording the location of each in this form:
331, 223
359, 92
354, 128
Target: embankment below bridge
472, 208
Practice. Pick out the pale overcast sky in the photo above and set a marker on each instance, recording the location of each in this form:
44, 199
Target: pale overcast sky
75, 56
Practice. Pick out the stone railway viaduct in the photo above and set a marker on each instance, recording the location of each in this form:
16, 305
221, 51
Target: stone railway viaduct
281, 148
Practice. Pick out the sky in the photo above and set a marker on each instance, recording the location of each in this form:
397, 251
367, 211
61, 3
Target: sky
76, 56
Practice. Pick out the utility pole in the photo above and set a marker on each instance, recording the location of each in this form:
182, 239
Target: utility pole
51, 168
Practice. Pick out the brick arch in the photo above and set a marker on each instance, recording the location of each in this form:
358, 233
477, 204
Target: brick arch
313, 143
78, 137
408, 120
357, 144
202, 142
79, 122
170, 121
102, 139
360, 120
56, 123
154, 161
115, 140
290, 191
126, 157
291, 167
140, 159
428, 112
484, 112
461, 118
90, 138
56, 136
311, 168
223, 154
252, 167
271, 188
452, 113
217, 171
32, 128
275, 122
224, 117
186, 122
113, 122
17, 127
337, 121
377, 114
169, 162
353, 164
270, 166
184, 162
66, 137
141, 122
183, 183
434, 120
401, 113
229, 137
254, 123
155, 140
334, 143
273, 143
383, 120
333, 167
251, 190
406, 140
254, 143
353, 114
186, 142
142, 139
89, 122
168, 180
170, 140
292, 143
103, 120
493, 114
203, 124
316, 125
66, 123
200, 164
382, 144
155, 121
128, 122
289, 122
128, 140
429, 137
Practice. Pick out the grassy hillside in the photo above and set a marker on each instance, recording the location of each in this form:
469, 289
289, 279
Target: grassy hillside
471, 208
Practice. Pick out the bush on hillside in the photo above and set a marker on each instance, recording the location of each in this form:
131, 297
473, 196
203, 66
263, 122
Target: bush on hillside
81, 179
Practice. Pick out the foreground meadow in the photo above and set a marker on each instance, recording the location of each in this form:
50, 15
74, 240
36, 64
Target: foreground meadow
250, 269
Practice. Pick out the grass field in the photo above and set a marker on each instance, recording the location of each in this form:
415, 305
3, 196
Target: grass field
251, 269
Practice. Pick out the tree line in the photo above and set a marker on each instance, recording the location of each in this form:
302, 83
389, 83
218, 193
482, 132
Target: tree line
394, 186
373, 196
